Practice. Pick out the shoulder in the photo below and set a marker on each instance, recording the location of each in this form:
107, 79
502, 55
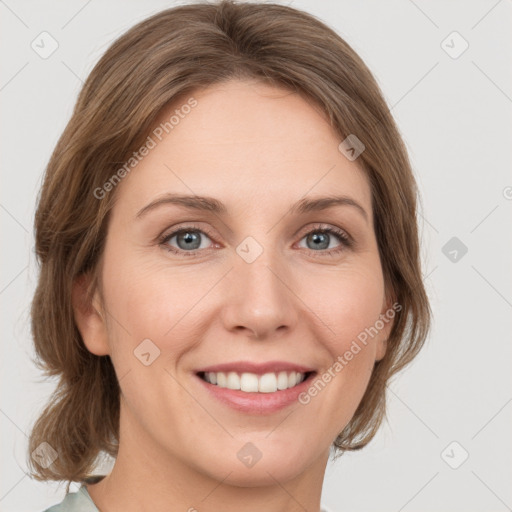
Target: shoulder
79, 501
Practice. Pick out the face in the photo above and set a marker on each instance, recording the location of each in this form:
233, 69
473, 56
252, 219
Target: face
256, 277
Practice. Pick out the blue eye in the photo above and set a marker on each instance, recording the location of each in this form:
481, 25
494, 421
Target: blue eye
321, 237
189, 240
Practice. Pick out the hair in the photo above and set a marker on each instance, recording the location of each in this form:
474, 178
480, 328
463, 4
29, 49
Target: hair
165, 57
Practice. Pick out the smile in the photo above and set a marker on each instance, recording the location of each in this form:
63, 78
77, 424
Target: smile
255, 394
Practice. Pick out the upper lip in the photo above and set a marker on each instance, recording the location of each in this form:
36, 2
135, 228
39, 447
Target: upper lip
257, 368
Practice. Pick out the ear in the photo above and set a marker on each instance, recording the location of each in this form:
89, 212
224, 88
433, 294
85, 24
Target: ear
90, 322
387, 315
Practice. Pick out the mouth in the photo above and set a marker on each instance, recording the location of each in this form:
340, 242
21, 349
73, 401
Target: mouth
255, 388
255, 394
248, 382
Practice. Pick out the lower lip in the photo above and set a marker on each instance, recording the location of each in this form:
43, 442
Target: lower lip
257, 403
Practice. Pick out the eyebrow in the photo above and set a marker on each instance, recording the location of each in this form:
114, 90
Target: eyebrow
210, 204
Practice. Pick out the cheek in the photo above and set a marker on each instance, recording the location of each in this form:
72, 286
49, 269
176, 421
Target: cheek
351, 303
148, 301
351, 308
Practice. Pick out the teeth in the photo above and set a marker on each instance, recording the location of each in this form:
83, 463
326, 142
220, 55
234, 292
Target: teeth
252, 383
233, 381
248, 383
268, 383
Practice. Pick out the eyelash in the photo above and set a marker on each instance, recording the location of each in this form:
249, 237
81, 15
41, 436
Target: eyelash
346, 241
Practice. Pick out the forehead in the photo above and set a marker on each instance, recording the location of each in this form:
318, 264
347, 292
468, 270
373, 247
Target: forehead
247, 144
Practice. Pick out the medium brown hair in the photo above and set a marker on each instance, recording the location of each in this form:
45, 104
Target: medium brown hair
167, 56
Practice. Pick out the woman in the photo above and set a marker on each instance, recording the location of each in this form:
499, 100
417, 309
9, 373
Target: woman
220, 376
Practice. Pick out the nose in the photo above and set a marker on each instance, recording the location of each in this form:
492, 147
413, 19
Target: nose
260, 301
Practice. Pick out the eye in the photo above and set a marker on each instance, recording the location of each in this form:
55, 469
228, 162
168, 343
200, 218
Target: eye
320, 238
189, 240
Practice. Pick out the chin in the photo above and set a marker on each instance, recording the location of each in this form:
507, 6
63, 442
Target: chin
250, 467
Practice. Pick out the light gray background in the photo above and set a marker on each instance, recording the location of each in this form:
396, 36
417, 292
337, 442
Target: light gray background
454, 115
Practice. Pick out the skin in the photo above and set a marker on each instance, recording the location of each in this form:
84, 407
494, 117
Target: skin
258, 149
